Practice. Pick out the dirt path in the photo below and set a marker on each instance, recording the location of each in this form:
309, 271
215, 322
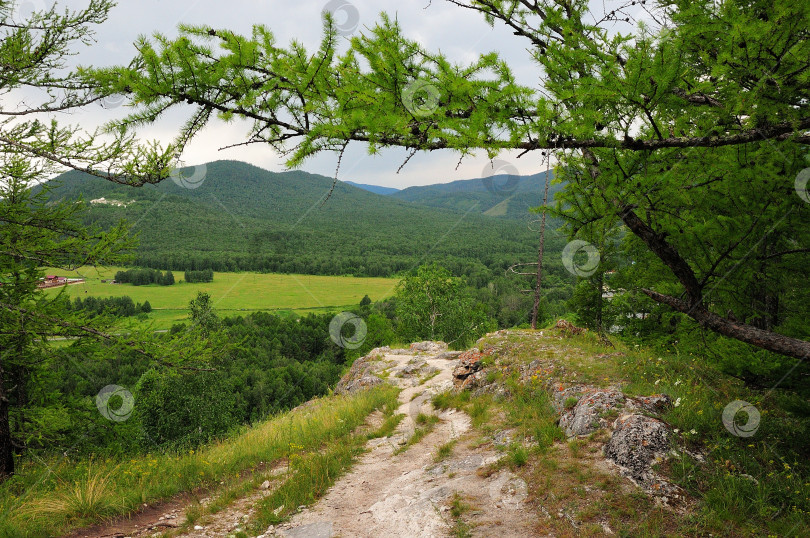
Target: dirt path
410, 493
386, 494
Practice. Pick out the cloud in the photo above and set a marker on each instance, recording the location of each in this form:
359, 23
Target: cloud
459, 33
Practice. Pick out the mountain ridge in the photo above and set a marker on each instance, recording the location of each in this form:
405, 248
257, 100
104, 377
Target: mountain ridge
238, 216
376, 189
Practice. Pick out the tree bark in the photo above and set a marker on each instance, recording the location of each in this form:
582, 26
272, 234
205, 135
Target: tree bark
778, 343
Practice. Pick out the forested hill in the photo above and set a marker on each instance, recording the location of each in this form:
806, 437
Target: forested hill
376, 189
243, 217
497, 196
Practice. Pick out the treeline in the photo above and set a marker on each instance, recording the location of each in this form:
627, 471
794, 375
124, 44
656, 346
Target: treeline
300, 263
204, 275
117, 306
266, 363
143, 277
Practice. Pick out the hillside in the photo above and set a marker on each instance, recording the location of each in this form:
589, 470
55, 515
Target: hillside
243, 217
529, 433
498, 196
376, 189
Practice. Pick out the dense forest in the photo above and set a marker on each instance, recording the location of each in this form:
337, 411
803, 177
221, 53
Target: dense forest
241, 217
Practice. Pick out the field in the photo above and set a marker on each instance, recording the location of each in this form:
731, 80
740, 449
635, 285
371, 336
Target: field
232, 293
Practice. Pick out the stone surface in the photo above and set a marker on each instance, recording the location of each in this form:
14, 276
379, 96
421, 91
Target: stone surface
469, 363
587, 414
637, 442
569, 329
364, 382
320, 529
656, 403
449, 355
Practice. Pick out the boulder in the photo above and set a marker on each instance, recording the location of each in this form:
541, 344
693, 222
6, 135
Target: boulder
363, 368
469, 363
586, 416
416, 368
638, 441
569, 329
365, 382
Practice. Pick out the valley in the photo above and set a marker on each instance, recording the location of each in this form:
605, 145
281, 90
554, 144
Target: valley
232, 293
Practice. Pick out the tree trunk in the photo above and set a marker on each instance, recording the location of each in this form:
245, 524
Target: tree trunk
778, 343
694, 307
600, 302
540, 250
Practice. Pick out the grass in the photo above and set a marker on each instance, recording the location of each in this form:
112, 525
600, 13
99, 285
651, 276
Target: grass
233, 293
87, 497
458, 507
571, 402
51, 497
424, 425
444, 451
308, 478
757, 486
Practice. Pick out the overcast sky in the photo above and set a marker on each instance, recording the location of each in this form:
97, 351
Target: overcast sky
459, 33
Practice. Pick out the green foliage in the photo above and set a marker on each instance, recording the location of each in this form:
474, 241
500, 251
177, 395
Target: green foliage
434, 305
203, 275
201, 313
116, 306
143, 277
188, 408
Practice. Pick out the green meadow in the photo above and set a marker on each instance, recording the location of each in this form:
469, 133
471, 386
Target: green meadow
232, 293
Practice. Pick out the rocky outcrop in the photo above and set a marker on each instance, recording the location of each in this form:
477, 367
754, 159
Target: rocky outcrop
655, 404
367, 371
569, 329
415, 368
469, 363
637, 439
362, 373
639, 442
365, 382
588, 415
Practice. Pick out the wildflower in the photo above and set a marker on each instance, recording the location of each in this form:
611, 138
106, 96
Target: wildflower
677, 403
657, 381
678, 382
693, 431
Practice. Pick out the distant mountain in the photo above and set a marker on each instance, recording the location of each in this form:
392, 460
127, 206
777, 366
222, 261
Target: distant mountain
238, 216
376, 189
497, 196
